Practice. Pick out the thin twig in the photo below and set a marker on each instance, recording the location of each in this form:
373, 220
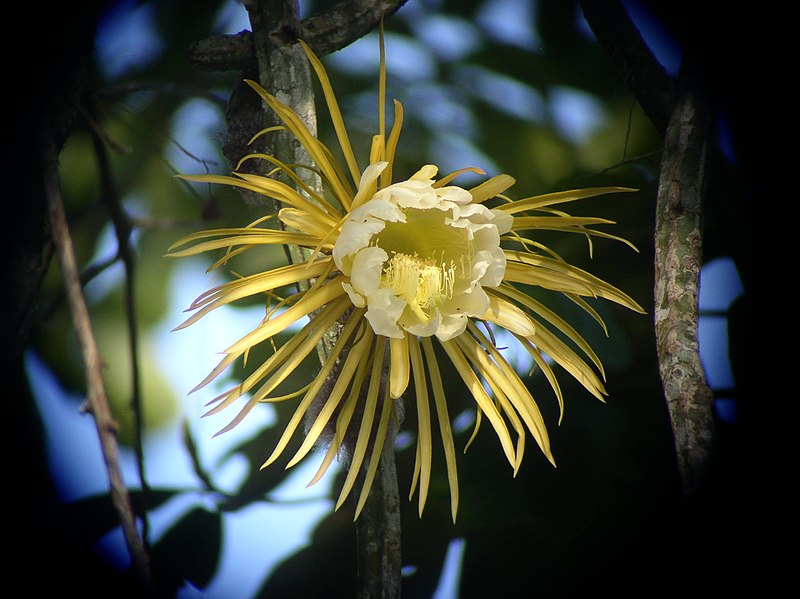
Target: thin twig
161, 88
154, 223
97, 398
625, 162
123, 230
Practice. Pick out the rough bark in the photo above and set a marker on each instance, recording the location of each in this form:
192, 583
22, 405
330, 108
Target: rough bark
678, 258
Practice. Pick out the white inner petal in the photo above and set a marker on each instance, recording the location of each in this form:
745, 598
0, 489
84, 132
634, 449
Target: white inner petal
418, 256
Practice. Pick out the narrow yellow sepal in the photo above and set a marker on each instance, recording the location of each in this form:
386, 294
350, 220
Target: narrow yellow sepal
424, 443
333, 110
508, 316
483, 400
367, 422
399, 373
444, 424
343, 380
330, 361
491, 188
559, 197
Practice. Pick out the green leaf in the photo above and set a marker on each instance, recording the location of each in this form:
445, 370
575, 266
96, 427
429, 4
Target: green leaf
189, 551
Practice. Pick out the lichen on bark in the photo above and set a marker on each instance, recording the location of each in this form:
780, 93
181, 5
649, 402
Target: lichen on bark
678, 258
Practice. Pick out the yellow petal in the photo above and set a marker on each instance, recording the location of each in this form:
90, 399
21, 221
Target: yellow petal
367, 186
483, 400
558, 223
444, 424
426, 172
535, 269
540, 361
288, 195
491, 188
450, 176
367, 423
549, 315
499, 373
302, 185
399, 373
291, 354
330, 361
301, 220
253, 285
377, 150
377, 450
508, 316
502, 400
354, 357
565, 357
424, 445
313, 299
560, 197
270, 237
391, 144
343, 421
284, 360
319, 154
568, 224
219, 369
333, 109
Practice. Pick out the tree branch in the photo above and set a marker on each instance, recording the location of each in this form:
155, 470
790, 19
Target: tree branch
345, 22
678, 258
685, 118
326, 32
640, 71
97, 399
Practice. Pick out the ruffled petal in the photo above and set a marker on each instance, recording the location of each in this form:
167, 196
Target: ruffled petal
383, 313
367, 267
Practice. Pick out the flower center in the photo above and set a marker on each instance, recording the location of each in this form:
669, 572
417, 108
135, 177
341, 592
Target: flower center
427, 256
426, 234
422, 283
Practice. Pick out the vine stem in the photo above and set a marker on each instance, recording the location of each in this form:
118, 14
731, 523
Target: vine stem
378, 530
284, 70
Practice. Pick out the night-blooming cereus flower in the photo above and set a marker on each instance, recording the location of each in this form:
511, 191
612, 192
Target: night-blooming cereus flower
395, 268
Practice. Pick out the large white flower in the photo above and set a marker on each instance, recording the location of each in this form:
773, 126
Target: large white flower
393, 265
418, 257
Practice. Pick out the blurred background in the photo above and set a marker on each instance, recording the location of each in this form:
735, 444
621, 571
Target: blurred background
509, 86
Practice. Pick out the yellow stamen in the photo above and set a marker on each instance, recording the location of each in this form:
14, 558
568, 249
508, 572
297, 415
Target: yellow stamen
422, 283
